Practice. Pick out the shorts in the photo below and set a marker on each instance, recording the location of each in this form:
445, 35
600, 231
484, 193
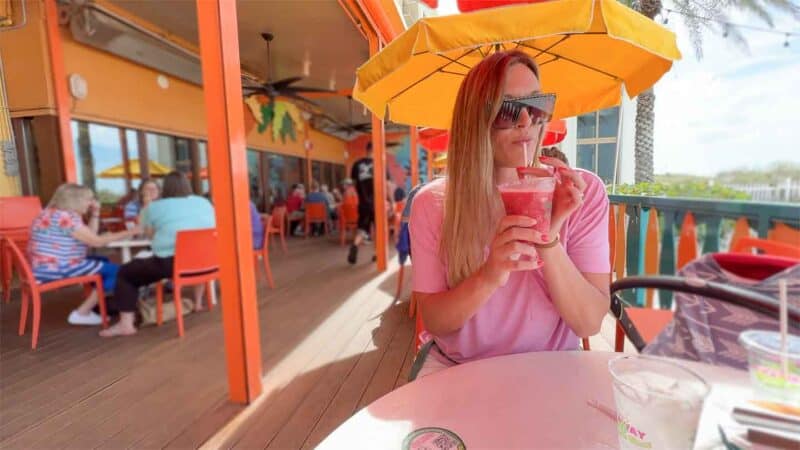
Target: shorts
366, 216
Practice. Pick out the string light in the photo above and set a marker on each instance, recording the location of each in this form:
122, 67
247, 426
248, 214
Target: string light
727, 25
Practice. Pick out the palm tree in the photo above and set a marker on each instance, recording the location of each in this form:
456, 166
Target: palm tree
699, 16
85, 155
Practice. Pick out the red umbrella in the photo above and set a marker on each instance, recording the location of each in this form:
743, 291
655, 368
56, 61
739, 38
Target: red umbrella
437, 140
434, 140
556, 132
474, 5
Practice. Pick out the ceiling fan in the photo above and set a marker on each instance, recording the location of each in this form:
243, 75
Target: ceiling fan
350, 128
279, 88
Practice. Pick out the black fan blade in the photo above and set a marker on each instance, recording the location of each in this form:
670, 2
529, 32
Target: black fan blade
301, 89
284, 83
298, 97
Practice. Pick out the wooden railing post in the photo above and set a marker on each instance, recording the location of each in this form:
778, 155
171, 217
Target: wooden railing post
632, 259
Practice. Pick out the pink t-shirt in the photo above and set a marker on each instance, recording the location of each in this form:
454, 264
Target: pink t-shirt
520, 316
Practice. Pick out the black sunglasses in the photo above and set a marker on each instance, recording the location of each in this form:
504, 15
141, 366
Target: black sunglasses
539, 106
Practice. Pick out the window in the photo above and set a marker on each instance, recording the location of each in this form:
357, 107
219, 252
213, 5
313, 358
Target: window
253, 172
202, 150
316, 172
277, 177
99, 161
161, 150
597, 142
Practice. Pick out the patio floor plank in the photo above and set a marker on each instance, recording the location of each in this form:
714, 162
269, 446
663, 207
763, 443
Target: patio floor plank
333, 340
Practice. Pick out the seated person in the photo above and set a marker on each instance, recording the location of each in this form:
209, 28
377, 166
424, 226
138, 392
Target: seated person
317, 196
147, 192
294, 209
478, 297
258, 227
60, 241
178, 209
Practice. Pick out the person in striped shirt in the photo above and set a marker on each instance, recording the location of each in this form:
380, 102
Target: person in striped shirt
60, 241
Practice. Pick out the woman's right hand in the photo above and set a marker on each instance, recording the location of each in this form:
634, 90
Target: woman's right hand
135, 230
514, 239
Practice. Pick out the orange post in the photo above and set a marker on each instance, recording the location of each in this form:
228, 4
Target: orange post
56, 53
651, 254
222, 88
687, 243
379, 178
414, 151
740, 230
430, 165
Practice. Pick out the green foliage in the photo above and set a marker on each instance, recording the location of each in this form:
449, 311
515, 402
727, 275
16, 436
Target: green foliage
107, 197
774, 174
691, 189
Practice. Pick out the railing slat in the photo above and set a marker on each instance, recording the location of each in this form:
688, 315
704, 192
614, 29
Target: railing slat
632, 260
619, 257
651, 252
740, 230
667, 265
784, 233
612, 235
711, 242
687, 243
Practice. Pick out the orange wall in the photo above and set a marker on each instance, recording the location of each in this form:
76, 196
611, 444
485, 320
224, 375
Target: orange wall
123, 93
26, 65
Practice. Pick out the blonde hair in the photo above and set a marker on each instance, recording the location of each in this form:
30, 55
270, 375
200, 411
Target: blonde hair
472, 209
70, 196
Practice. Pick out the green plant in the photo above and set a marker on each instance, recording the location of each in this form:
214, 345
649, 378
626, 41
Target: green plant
691, 189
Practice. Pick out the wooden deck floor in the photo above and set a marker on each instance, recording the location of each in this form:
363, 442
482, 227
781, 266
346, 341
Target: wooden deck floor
333, 340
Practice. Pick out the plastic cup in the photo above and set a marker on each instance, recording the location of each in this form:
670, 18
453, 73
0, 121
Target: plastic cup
658, 403
765, 363
532, 197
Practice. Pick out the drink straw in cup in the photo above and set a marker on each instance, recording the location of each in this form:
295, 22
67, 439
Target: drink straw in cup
784, 313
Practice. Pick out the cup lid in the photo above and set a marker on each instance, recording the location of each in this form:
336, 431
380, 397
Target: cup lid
769, 341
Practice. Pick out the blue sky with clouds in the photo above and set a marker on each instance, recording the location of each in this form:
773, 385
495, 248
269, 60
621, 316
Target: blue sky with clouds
731, 109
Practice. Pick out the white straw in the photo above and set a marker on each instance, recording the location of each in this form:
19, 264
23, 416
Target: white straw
783, 296
528, 163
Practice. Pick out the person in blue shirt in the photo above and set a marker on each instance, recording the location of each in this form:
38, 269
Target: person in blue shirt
317, 196
258, 227
178, 209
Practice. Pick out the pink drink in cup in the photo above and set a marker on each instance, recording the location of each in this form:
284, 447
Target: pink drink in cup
531, 197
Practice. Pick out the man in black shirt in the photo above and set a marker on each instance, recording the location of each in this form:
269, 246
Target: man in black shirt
362, 176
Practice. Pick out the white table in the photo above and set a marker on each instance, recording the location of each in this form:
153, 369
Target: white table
125, 246
532, 400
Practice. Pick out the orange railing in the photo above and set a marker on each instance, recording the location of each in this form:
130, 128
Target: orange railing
656, 235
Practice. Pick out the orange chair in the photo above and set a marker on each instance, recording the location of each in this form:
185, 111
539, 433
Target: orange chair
16, 216
769, 247
32, 290
196, 262
277, 226
264, 252
316, 213
348, 219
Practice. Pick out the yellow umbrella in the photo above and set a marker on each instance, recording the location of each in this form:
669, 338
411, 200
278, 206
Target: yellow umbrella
118, 171
586, 49
440, 162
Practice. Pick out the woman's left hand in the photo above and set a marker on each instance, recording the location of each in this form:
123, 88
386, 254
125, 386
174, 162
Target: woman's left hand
94, 208
568, 194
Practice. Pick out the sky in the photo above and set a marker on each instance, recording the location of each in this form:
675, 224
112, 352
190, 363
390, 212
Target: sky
731, 109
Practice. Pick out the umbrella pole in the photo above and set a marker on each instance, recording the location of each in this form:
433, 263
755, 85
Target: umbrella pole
619, 143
